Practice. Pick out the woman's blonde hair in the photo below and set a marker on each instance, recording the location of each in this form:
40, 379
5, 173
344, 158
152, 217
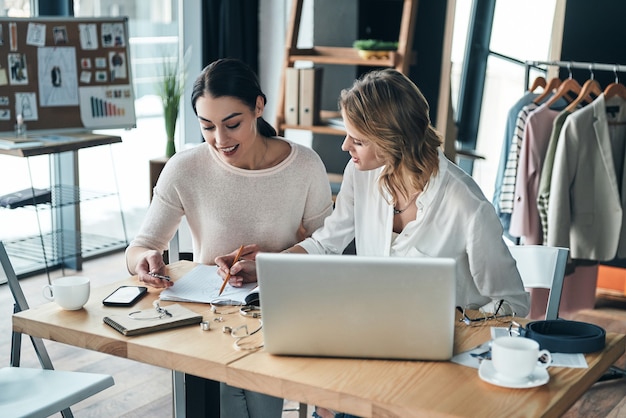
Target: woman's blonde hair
388, 109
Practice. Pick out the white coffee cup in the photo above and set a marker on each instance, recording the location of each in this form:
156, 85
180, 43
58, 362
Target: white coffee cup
515, 358
70, 292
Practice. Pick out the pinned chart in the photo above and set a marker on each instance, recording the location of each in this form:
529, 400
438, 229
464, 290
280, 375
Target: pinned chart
101, 107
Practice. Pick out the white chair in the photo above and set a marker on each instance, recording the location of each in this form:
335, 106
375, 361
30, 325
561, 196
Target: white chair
541, 266
28, 392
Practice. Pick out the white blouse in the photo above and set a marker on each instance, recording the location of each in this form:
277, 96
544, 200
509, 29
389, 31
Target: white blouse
454, 219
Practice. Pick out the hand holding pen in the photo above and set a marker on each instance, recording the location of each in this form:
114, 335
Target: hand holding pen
156, 280
160, 276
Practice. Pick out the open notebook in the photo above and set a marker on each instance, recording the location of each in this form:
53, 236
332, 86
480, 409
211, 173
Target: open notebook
202, 284
356, 306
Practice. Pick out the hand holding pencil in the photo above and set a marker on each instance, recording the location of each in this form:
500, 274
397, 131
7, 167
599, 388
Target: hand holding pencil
241, 269
227, 278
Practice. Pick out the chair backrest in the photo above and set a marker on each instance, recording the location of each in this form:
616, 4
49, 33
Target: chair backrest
541, 266
50, 391
20, 304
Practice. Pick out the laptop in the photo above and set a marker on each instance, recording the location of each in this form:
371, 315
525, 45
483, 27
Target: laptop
357, 306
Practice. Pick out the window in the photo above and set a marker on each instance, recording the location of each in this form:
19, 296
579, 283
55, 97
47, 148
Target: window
520, 30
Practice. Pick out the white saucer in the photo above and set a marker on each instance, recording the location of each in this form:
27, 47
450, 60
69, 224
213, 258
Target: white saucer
487, 373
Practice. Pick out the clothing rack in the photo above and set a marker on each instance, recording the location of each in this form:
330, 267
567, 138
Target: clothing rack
591, 66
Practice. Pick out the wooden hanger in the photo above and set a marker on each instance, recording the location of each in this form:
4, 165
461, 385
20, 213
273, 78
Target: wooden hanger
539, 82
590, 90
615, 89
552, 85
568, 86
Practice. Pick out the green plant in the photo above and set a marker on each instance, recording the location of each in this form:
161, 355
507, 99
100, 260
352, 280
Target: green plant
374, 45
171, 88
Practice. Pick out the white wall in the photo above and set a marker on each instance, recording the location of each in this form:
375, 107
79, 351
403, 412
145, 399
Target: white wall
190, 28
274, 18
273, 21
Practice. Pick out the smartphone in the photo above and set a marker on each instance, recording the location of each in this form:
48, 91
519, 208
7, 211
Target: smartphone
125, 296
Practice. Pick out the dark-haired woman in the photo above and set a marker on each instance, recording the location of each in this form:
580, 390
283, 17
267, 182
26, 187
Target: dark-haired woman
242, 185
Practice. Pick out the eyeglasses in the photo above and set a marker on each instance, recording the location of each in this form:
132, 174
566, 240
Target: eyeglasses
222, 306
242, 336
473, 316
146, 315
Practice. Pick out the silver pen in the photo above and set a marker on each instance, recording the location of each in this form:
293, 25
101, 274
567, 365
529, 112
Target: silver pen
160, 276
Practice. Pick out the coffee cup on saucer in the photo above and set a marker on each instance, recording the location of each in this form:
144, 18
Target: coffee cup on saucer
69, 292
516, 358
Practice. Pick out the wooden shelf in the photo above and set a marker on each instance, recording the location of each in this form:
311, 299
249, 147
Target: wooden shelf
323, 128
338, 56
36, 253
334, 55
318, 129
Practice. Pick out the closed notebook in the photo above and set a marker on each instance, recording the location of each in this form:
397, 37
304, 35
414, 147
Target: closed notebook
150, 321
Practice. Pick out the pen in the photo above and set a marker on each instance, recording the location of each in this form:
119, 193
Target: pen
160, 276
498, 308
227, 278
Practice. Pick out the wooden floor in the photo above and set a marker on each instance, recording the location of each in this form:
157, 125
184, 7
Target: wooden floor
142, 390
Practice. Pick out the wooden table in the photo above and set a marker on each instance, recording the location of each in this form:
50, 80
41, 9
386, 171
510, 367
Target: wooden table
362, 387
69, 141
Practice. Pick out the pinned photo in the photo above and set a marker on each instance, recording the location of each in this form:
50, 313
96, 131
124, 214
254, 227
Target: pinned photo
85, 77
17, 66
88, 36
57, 76
113, 35
13, 36
101, 62
36, 34
59, 33
117, 63
101, 76
26, 105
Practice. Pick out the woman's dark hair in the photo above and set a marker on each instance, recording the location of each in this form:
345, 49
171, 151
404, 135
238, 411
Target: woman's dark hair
233, 78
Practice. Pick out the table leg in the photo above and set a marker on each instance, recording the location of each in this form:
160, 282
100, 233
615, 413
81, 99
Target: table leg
66, 218
178, 391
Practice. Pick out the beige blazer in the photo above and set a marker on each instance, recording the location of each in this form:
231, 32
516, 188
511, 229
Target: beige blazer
588, 184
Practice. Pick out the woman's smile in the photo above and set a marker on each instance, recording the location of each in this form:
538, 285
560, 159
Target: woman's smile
228, 151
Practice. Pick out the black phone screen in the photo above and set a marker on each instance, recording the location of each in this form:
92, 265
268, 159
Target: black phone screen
125, 296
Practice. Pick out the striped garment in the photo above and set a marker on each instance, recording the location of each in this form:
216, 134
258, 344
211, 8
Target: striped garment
507, 193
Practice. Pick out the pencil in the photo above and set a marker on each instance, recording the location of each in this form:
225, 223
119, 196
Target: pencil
227, 278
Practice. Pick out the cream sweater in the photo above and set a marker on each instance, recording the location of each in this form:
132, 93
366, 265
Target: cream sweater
227, 206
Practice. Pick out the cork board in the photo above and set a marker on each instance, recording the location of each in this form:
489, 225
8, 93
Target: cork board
64, 74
